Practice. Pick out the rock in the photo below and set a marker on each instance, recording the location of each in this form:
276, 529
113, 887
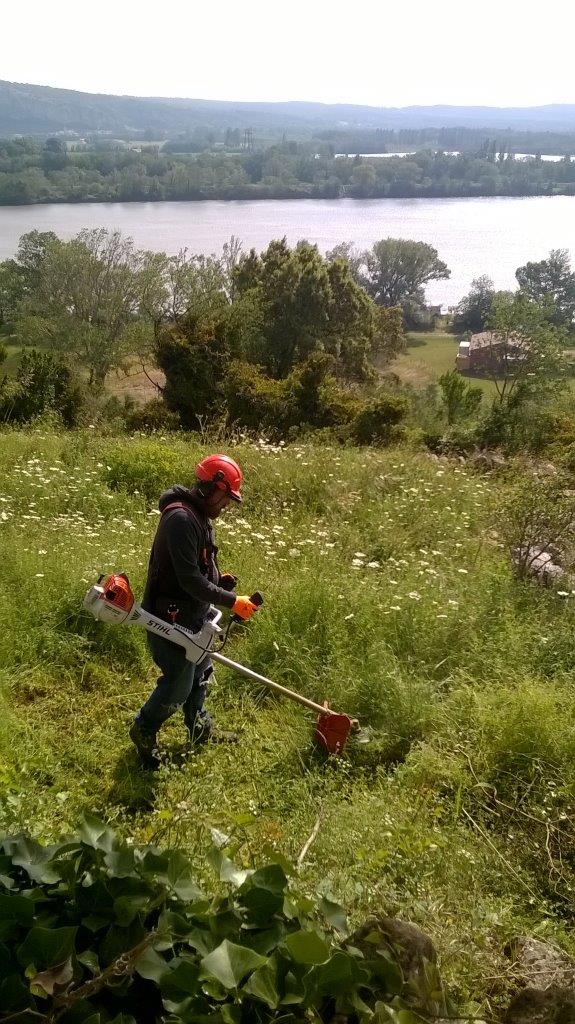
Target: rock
554, 1005
538, 562
539, 964
486, 458
549, 977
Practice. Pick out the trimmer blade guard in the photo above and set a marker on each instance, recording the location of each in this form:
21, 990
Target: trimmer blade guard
332, 731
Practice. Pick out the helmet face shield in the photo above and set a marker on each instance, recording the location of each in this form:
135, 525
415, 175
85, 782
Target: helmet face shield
223, 473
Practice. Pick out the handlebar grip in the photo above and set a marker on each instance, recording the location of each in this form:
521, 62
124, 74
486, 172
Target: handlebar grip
257, 598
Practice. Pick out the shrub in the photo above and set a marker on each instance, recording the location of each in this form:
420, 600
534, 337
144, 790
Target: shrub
377, 419
309, 397
315, 397
254, 400
153, 415
195, 360
536, 519
43, 383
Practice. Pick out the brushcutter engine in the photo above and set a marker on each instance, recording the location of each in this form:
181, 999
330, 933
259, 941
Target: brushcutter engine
112, 600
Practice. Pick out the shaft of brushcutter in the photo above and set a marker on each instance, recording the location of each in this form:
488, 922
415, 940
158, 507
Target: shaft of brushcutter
291, 694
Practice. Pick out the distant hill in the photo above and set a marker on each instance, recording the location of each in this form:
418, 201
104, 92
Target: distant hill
38, 109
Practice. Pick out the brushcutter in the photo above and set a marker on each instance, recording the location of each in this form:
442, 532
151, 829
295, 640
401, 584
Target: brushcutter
111, 600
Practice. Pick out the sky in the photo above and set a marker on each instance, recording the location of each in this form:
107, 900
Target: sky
495, 52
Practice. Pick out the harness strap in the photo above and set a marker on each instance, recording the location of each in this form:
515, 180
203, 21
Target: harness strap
207, 553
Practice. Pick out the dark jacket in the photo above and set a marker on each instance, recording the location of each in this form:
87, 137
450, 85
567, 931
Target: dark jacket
183, 571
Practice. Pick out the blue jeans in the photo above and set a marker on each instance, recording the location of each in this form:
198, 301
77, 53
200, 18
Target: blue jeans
182, 685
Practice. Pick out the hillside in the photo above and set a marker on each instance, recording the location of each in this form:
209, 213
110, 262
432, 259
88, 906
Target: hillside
31, 109
387, 592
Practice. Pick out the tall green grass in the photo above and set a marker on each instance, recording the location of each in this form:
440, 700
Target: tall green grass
388, 593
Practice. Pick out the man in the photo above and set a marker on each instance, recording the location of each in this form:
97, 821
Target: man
183, 580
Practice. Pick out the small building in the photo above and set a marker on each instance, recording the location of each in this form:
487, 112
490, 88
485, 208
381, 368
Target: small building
486, 352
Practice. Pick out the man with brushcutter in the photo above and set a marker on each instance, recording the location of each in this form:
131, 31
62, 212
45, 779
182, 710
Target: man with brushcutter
183, 581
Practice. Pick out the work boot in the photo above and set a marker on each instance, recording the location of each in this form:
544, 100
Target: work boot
146, 744
202, 731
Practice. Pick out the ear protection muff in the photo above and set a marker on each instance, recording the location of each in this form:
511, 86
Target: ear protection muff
207, 487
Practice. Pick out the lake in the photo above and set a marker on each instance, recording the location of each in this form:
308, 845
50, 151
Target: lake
490, 236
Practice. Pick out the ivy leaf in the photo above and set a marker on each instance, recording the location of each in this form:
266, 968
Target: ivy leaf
97, 834
173, 926
388, 971
266, 983
307, 947
151, 965
334, 915
36, 860
89, 959
180, 980
230, 963
225, 868
266, 939
231, 1014
16, 908
45, 983
262, 894
127, 908
338, 975
14, 995
180, 879
121, 863
389, 1015
46, 947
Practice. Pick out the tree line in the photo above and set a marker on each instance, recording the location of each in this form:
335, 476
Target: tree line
285, 341
285, 336
32, 171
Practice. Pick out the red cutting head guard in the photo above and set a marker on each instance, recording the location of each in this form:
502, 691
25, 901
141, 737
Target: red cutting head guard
222, 472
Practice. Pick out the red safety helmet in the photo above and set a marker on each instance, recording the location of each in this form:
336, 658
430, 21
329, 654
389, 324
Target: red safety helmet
223, 472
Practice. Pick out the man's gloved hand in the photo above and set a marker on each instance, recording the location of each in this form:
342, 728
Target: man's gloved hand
228, 580
244, 608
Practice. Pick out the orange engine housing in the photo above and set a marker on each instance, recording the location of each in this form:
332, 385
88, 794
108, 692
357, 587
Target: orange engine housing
118, 592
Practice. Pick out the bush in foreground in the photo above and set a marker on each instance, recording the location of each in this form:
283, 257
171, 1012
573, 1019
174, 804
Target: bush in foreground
94, 931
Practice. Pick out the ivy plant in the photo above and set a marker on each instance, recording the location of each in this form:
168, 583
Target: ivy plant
96, 931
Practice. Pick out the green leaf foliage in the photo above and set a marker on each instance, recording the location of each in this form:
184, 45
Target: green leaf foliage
92, 929
230, 963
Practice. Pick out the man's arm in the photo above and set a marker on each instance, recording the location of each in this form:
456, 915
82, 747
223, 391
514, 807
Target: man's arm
184, 542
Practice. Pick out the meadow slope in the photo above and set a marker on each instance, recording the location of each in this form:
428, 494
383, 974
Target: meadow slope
388, 592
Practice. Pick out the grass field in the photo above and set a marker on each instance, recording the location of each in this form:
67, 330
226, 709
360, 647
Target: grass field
429, 355
387, 591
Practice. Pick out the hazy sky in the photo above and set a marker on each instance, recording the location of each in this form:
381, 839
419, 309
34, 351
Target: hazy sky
494, 52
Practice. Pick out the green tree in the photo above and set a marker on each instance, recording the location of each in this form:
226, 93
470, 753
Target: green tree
473, 311
12, 290
306, 304
460, 399
551, 281
397, 269
292, 288
33, 251
92, 294
43, 382
527, 352
527, 366
195, 285
194, 357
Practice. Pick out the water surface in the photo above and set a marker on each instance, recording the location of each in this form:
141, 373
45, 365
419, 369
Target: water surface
473, 236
